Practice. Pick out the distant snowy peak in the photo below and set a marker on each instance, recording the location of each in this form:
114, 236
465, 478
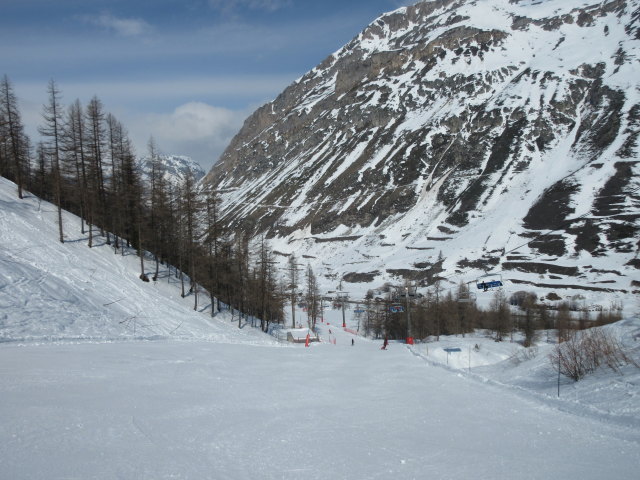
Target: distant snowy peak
175, 168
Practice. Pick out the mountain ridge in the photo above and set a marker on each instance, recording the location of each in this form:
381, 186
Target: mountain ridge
433, 119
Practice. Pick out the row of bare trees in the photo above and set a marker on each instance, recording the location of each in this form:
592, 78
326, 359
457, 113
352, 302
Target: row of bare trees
14, 143
85, 163
455, 313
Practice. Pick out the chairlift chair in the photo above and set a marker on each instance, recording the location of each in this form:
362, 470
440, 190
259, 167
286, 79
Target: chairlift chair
489, 282
396, 308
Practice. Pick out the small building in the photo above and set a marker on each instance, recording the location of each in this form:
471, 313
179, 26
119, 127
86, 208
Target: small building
300, 336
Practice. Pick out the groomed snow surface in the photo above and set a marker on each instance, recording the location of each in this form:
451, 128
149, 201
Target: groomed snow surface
103, 376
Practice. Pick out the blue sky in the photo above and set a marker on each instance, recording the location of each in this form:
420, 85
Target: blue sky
187, 72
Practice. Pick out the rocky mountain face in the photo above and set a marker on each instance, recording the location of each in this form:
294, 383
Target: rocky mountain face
175, 168
453, 138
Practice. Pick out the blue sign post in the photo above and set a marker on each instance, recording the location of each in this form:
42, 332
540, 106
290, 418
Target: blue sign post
451, 350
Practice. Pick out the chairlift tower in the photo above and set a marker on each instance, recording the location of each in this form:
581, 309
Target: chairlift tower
342, 296
409, 338
408, 291
293, 269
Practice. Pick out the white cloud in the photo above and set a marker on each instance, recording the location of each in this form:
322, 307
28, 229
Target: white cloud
196, 129
126, 27
193, 121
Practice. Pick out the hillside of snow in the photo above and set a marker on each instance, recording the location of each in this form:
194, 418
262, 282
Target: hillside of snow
104, 376
502, 134
53, 291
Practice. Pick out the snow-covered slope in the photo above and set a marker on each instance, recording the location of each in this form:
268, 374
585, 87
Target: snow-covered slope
609, 396
50, 290
198, 398
503, 134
